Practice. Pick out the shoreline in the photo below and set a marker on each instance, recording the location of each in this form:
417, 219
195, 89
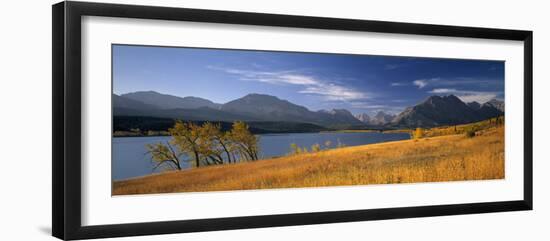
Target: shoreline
286, 133
431, 159
267, 159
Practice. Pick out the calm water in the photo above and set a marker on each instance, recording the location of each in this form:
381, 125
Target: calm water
130, 158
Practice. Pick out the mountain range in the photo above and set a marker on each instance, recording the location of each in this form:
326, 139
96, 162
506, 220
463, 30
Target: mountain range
163, 101
381, 118
266, 107
433, 111
445, 110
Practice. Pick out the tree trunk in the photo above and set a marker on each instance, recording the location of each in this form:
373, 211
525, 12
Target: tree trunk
197, 159
226, 152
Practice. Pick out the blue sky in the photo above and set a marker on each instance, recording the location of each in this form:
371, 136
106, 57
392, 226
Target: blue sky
359, 83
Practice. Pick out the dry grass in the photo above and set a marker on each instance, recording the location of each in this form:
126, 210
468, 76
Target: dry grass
455, 129
433, 159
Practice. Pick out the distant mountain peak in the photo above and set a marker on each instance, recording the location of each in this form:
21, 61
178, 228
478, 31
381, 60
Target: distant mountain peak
444, 110
147, 91
272, 108
261, 103
260, 95
256, 96
363, 117
265, 96
123, 102
474, 105
495, 102
165, 101
338, 112
498, 104
151, 92
435, 99
380, 113
381, 118
451, 96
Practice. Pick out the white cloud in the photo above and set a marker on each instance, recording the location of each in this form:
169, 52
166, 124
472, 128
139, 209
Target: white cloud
334, 92
362, 105
443, 91
420, 83
480, 98
467, 95
398, 84
311, 84
281, 77
299, 79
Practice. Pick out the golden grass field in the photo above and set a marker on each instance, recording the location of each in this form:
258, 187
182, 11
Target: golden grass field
451, 157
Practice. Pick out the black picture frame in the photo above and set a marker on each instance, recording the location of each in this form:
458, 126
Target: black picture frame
66, 75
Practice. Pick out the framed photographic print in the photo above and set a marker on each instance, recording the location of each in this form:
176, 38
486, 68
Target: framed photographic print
169, 120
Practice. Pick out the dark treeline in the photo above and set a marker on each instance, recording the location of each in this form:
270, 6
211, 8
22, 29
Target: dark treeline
141, 126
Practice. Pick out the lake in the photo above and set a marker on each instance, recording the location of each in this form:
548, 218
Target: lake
130, 158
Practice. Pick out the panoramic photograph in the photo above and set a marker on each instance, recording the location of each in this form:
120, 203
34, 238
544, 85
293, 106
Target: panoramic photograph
200, 119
